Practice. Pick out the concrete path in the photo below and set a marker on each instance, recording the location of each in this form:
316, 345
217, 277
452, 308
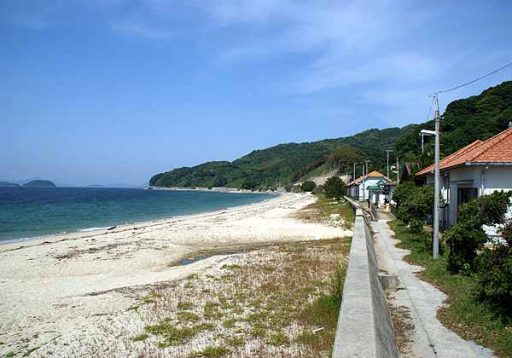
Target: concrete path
422, 300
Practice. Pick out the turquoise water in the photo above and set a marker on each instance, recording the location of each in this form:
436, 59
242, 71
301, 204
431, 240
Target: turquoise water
33, 212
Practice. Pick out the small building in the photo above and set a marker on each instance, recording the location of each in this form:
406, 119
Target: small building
479, 168
370, 186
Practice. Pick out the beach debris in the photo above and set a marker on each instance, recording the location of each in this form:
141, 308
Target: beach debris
112, 228
316, 330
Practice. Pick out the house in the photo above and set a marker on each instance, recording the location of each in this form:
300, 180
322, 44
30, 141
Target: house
370, 186
477, 169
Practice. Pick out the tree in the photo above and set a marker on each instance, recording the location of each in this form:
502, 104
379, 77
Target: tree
308, 186
344, 156
495, 273
220, 181
334, 188
467, 236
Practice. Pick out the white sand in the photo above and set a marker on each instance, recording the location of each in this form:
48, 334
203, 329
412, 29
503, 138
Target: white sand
58, 285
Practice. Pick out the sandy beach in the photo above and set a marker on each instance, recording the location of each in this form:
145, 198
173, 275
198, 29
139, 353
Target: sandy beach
55, 288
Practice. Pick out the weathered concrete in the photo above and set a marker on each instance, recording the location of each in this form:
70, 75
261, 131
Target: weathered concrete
364, 325
422, 300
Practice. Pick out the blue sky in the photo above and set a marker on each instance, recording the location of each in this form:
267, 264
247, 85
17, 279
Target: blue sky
113, 91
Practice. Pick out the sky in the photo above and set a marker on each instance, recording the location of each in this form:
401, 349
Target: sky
114, 91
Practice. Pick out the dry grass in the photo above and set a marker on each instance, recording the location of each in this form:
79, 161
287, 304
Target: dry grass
281, 301
330, 212
402, 326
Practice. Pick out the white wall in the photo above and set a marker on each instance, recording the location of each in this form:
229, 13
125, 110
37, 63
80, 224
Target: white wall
486, 179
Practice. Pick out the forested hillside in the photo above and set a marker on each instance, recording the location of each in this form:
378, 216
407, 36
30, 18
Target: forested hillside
465, 120
282, 164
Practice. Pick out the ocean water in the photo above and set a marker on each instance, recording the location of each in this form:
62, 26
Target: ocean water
34, 212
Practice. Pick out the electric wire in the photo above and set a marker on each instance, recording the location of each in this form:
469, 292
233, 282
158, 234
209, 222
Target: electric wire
475, 80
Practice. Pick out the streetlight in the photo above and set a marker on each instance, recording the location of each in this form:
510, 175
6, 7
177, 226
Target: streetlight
387, 160
423, 132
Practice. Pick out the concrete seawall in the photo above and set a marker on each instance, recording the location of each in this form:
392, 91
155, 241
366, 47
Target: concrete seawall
364, 324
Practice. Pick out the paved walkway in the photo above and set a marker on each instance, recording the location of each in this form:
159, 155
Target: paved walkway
422, 301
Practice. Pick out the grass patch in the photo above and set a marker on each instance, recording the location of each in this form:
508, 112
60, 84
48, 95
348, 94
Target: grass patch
186, 316
278, 339
211, 352
236, 341
173, 335
464, 314
140, 337
185, 305
230, 323
328, 210
230, 267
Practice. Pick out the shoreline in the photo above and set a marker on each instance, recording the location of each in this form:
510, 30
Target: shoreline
53, 288
215, 189
107, 229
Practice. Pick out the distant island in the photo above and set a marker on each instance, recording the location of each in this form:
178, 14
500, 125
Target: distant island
39, 184
5, 184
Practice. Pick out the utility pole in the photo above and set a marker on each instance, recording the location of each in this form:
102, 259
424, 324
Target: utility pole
364, 179
354, 176
387, 161
397, 171
364, 191
435, 243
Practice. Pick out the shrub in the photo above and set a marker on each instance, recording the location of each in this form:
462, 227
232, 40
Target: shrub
495, 278
319, 189
416, 202
495, 273
467, 237
334, 188
308, 186
416, 226
402, 192
249, 185
463, 240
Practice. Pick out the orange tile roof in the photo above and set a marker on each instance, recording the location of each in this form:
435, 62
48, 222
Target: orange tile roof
373, 174
497, 149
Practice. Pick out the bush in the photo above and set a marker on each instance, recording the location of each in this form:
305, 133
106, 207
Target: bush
416, 226
495, 278
463, 240
308, 186
495, 273
249, 185
416, 202
467, 237
402, 192
319, 189
334, 188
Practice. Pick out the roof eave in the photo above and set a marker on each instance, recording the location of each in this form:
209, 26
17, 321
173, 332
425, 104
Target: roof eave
491, 164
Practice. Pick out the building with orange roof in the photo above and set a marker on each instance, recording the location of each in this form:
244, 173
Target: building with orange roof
369, 186
474, 170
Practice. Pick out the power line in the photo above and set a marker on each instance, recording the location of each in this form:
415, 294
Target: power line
430, 109
475, 80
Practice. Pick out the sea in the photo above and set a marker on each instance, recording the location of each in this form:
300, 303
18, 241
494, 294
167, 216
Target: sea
27, 213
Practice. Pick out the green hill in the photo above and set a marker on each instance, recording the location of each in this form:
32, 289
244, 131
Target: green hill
464, 121
278, 165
